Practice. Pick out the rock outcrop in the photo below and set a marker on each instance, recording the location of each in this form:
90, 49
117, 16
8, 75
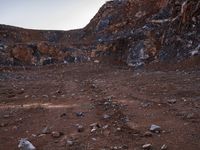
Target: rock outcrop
135, 32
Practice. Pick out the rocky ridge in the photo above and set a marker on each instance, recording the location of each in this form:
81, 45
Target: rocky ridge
123, 31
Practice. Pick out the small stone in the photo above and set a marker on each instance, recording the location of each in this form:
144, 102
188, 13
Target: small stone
190, 116
55, 134
34, 135
145, 105
119, 129
80, 114
164, 147
106, 116
95, 125
80, 128
3, 124
45, 96
147, 146
24, 144
14, 127
96, 61
33, 96
26, 96
93, 130
148, 134
46, 130
70, 143
6, 116
105, 127
155, 128
172, 101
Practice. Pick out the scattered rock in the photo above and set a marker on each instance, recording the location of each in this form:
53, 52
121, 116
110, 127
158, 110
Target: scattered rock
6, 116
94, 127
190, 116
55, 134
26, 96
155, 128
148, 134
106, 116
45, 96
24, 144
164, 147
147, 147
3, 124
80, 114
70, 142
172, 101
46, 130
145, 104
97, 61
105, 127
94, 139
80, 128
119, 129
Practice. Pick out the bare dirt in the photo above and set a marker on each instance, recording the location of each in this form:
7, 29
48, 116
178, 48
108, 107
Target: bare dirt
123, 102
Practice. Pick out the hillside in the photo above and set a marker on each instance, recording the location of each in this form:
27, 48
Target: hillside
129, 80
123, 31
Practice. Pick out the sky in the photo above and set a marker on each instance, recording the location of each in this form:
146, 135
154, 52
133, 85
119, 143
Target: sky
48, 14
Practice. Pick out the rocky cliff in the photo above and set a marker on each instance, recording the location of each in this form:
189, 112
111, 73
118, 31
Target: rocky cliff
135, 32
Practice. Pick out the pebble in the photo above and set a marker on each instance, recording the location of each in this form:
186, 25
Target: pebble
106, 116
164, 147
148, 134
94, 125
147, 146
94, 139
3, 124
70, 143
155, 128
80, 114
45, 96
172, 101
6, 116
55, 134
119, 129
26, 96
80, 128
190, 116
105, 127
97, 61
24, 144
46, 130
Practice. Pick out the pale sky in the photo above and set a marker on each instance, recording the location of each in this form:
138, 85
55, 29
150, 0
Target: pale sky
48, 14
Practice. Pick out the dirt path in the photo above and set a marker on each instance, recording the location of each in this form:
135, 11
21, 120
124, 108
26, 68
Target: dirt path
123, 104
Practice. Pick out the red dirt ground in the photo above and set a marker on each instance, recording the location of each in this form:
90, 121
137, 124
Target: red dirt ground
34, 98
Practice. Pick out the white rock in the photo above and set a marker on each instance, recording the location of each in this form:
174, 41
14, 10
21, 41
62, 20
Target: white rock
147, 146
164, 147
155, 128
97, 61
24, 144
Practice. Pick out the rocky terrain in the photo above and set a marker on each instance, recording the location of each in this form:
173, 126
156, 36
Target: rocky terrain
129, 80
123, 31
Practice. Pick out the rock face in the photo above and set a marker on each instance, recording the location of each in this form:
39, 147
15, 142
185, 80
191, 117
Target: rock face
135, 32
